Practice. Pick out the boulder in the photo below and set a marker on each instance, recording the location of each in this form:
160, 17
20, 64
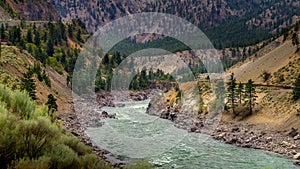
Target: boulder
297, 156
297, 137
293, 132
104, 113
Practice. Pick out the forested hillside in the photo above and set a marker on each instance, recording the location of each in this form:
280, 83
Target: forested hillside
30, 10
227, 23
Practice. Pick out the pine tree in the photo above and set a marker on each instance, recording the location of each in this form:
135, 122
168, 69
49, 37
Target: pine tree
52, 106
28, 84
70, 31
78, 36
37, 38
240, 92
2, 31
231, 89
50, 48
250, 95
296, 89
29, 36
295, 40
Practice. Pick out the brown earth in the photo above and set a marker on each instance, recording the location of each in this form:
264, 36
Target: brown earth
34, 10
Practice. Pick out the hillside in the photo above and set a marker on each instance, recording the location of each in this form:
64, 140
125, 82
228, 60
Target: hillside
15, 62
30, 9
274, 59
226, 22
271, 62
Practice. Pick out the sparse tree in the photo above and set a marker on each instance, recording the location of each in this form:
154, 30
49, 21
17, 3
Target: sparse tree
231, 89
28, 84
250, 95
266, 76
29, 36
240, 92
295, 40
52, 106
37, 38
50, 48
296, 89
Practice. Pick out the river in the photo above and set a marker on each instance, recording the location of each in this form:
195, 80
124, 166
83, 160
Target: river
136, 134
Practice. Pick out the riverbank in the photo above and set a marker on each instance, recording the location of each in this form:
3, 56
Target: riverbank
238, 134
250, 136
86, 115
285, 143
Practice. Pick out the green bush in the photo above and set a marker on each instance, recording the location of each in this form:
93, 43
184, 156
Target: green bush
63, 157
75, 144
40, 163
29, 139
90, 161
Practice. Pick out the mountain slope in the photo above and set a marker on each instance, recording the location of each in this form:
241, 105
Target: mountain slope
271, 62
226, 22
15, 62
33, 9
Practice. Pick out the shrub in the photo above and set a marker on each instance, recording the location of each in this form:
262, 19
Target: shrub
74, 143
63, 157
22, 104
90, 161
29, 139
35, 136
40, 163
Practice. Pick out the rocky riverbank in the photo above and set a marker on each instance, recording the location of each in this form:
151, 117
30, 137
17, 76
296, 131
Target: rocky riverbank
86, 114
243, 135
285, 143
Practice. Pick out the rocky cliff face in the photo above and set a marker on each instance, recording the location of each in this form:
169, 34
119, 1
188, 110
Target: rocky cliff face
34, 9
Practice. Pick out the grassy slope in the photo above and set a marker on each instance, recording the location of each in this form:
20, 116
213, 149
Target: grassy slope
274, 108
14, 62
270, 62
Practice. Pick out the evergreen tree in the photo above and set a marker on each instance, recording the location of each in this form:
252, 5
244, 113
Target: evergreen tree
295, 40
52, 32
37, 38
2, 32
70, 31
78, 36
105, 60
296, 89
231, 89
50, 48
29, 36
240, 92
52, 106
99, 83
28, 84
250, 95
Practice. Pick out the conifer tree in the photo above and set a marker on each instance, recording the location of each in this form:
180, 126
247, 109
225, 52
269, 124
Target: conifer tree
232, 95
296, 89
29, 36
37, 38
250, 95
50, 48
28, 84
52, 106
2, 31
295, 40
240, 92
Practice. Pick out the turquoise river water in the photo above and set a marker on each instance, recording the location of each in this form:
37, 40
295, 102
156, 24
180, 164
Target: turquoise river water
136, 134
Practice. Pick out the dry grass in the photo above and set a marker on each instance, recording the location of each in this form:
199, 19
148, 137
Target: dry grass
14, 63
